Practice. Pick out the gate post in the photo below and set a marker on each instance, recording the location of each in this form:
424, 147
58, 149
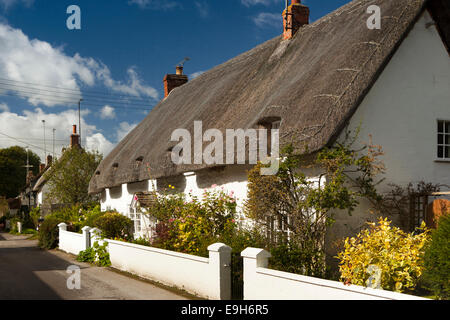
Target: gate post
220, 261
253, 258
86, 237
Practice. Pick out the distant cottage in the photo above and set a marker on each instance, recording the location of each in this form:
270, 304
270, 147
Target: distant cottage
312, 82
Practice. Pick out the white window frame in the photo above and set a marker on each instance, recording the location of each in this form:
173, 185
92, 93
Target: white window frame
136, 217
445, 144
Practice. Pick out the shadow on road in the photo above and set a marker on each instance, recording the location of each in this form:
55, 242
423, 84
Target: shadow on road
22, 266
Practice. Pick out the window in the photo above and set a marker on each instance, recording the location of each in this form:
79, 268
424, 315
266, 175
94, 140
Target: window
136, 218
270, 124
443, 145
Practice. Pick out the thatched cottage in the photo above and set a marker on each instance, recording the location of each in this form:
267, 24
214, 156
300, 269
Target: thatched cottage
312, 82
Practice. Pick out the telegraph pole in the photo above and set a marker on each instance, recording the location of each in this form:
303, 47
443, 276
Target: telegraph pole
45, 145
28, 166
79, 120
54, 143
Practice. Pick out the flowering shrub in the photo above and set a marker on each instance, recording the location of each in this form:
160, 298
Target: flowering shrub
190, 224
398, 257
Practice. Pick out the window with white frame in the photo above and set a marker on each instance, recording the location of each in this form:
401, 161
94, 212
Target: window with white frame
136, 218
443, 147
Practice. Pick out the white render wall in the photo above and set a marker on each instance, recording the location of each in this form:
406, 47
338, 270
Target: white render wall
402, 108
230, 179
206, 277
261, 283
401, 112
72, 242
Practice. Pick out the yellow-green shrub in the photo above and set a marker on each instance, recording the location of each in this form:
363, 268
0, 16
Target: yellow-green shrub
397, 255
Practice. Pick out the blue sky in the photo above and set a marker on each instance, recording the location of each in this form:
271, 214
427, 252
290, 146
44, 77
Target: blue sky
124, 48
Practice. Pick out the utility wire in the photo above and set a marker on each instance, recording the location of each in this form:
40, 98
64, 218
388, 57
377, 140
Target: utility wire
73, 102
87, 93
74, 96
26, 143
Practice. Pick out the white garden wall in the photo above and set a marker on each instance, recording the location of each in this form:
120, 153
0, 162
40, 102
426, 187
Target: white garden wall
72, 242
261, 283
209, 278
206, 277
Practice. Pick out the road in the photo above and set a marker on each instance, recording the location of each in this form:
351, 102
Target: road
27, 272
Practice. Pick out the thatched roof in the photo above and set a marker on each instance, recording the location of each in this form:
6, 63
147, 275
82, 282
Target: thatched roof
313, 82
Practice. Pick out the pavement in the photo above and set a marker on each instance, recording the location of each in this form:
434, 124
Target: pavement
30, 273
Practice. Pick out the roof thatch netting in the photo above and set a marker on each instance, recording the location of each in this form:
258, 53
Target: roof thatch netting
313, 82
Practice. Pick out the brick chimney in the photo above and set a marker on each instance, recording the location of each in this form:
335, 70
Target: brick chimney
172, 81
74, 138
296, 17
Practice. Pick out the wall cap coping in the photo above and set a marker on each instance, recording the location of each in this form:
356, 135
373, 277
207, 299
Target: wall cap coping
95, 231
219, 247
62, 225
86, 228
255, 253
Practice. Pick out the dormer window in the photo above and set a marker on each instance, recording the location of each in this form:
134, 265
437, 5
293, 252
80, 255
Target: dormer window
443, 146
270, 124
139, 161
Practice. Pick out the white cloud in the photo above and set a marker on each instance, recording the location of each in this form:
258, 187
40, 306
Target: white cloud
124, 129
4, 107
28, 128
249, 3
202, 8
155, 4
133, 87
196, 74
18, 61
107, 112
266, 19
6, 4
98, 142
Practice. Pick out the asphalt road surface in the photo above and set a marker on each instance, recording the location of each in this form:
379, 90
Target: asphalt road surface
27, 272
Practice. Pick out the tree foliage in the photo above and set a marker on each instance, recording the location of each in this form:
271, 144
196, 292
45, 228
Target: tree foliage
12, 170
70, 175
297, 209
437, 259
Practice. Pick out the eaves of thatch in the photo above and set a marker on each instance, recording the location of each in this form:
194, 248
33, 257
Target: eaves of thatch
313, 83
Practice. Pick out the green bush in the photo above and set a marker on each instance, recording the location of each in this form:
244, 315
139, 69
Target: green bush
87, 255
114, 225
300, 259
35, 215
13, 225
97, 254
48, 235
90, 215
437, 260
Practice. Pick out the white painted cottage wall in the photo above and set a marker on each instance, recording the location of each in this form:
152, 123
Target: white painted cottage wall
401, 112
402, 109
231, 179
